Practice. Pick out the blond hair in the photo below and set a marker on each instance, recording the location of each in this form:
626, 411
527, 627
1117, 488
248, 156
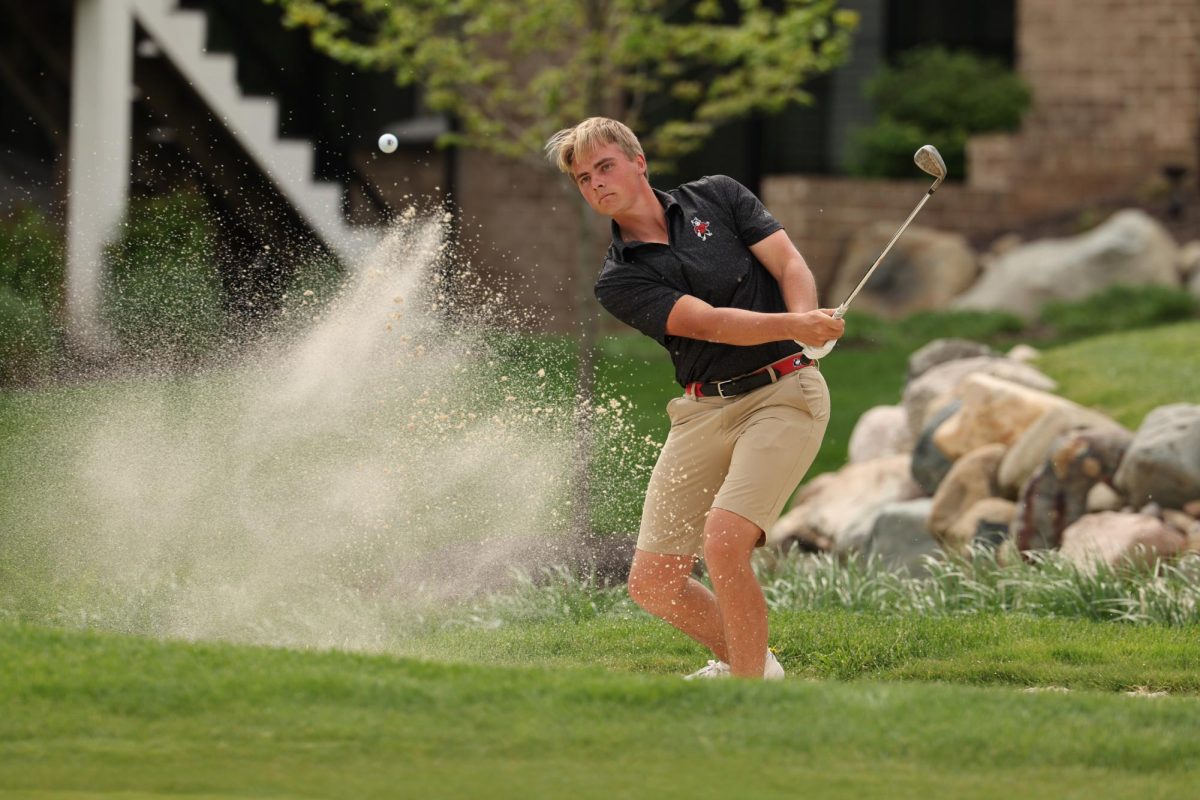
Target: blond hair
593, 132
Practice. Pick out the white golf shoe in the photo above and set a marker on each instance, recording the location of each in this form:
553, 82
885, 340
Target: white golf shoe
773, 671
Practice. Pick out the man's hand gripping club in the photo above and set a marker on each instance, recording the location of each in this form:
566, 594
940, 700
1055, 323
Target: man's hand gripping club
823, 325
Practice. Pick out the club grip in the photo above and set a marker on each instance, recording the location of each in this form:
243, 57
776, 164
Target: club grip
815, 352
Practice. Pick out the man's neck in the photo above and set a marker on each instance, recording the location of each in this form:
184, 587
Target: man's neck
645, 220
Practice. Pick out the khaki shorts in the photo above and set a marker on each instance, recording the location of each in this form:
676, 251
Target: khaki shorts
743, 454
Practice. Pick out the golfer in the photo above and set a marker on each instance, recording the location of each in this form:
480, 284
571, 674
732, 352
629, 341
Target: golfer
709, 274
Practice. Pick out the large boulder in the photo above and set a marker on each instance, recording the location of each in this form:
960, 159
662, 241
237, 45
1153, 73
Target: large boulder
1129, 248
1057, 493
1189, 261
939, 351
900, 536
986, 522
925, 269
880, 431
1030, 450
971, 479
1113, 538
929, 464
835, 511
993, 411
1163, 461
933, 388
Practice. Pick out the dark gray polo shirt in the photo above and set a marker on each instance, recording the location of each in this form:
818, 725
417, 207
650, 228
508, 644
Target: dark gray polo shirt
711, 224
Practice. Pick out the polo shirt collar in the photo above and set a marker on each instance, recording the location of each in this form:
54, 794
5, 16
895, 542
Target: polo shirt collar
667, 201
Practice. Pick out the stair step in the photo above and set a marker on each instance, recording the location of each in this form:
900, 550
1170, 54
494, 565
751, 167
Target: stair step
254, 121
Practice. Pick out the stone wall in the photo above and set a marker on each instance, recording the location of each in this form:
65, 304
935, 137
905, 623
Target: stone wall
822, 213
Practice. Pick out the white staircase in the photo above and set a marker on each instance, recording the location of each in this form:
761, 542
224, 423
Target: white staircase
253, 121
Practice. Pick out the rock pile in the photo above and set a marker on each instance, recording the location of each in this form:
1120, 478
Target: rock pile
980, 450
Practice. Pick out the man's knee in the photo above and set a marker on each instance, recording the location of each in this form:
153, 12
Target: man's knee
657, 580
729, 539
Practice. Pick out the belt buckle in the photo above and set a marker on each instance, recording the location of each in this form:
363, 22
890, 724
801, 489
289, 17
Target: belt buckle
721, 392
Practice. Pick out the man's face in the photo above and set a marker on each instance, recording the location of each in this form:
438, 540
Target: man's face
608, 179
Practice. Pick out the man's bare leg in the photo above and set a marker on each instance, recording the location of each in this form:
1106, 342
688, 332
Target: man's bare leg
729, 540
664, 586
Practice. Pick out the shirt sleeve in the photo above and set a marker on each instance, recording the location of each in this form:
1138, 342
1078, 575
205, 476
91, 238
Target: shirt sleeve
637, 298
754, 223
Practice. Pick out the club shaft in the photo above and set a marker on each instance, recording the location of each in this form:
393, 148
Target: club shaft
841, 310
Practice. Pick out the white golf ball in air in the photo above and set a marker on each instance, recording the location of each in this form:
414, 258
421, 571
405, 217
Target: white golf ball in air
388, 143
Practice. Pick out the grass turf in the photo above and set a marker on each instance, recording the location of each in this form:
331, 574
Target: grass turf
103, 715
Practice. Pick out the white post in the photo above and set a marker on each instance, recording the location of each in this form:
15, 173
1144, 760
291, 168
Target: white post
101, 126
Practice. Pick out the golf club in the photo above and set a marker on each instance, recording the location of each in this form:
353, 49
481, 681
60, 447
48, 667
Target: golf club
930, 161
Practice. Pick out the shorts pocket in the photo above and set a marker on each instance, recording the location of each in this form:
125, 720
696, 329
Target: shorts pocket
814, 392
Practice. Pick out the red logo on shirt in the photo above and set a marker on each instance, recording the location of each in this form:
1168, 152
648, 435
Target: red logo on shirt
701, 228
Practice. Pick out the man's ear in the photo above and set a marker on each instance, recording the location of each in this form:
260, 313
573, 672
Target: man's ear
641, 162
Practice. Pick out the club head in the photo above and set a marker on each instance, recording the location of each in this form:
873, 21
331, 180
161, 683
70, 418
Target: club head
930, 161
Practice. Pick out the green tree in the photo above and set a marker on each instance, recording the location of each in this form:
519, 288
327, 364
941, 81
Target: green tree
512, 72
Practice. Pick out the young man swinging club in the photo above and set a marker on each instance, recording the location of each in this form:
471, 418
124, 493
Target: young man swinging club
709, 274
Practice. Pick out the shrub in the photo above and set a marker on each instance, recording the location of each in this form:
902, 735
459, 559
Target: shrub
936, 96
164, 299
29, 339
32, 266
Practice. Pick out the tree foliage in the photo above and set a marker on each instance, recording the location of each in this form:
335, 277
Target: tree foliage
511, 72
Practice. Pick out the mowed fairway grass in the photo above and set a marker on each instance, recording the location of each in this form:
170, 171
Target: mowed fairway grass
597, 710
876, 705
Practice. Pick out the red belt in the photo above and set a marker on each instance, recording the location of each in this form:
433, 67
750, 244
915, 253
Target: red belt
748, 383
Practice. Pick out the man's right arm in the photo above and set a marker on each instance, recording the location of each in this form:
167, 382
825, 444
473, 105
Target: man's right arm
692, 318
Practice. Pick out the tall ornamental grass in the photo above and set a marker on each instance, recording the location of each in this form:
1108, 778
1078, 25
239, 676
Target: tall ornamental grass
1044, 585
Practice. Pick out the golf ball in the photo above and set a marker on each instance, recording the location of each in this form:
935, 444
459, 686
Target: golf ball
387, 143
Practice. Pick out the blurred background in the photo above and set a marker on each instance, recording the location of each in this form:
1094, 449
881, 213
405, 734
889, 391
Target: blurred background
1051, 113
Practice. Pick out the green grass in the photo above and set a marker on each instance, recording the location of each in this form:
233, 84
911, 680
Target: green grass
90, 714
1128, 374
831, 644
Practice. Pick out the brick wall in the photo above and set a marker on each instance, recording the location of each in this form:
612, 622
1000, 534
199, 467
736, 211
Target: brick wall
1116, 98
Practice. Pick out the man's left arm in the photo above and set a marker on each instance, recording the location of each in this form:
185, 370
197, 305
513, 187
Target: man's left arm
781, 258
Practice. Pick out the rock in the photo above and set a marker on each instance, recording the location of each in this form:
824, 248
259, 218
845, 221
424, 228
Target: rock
1113, 538
993, 411
929, 464
1129, 248
880, 431
835, 511
1056, 494
1023, 354
971, 479
985, 522
1184, 523
925, 270
1103, 497
921, 395
1029, 451
1163, 462
1192, 509
1189, 261
900, 536
1193, 285
1005, 244
939, 351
